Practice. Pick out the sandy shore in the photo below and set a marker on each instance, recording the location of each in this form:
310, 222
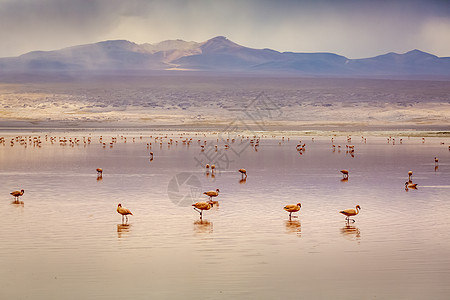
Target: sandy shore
229, 104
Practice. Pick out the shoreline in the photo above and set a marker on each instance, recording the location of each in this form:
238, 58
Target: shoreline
163, 129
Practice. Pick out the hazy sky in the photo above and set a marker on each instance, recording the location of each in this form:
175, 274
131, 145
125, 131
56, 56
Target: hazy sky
353, 28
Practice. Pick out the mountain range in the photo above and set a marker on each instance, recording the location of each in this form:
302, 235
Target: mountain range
220, 55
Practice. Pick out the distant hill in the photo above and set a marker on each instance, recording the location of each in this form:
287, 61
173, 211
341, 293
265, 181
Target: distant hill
220, 55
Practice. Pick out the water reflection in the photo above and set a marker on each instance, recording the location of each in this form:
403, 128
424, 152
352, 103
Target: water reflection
123, 230
345, 179
436, 168
99, 178
294, 226
203, 226
243, 181
351, 232
17, 202
243, 246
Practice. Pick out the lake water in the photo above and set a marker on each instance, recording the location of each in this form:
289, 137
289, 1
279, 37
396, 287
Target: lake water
66, 240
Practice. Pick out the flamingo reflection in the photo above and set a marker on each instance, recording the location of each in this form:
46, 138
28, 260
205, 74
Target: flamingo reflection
123, 229
17, 202
203, 226
351, 232
293, 226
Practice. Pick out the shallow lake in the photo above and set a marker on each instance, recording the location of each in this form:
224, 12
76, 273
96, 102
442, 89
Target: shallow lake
65, 240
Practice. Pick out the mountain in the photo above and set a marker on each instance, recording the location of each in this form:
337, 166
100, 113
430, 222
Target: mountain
220, 55
108, 55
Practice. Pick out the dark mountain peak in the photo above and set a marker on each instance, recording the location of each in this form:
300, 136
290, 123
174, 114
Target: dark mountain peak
116, 44
219, 38
412, 54
417, 54
218, 44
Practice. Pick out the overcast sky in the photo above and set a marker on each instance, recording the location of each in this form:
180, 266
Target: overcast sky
353, 28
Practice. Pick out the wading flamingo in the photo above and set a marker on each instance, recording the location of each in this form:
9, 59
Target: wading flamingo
201, 206
123, 211
243, 172
410, 185
350, 212
292, 208
17, 194
410, 176
211, 194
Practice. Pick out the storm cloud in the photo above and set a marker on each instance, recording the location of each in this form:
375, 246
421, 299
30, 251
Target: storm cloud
348, 27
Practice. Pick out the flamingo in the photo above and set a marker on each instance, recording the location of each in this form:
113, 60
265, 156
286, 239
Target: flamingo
410, 176
17, 194
292, 208
436, 161
243, 172
201, 206
410, 185
350, 212
344, 173
123, 211
213, 167
99, 171
211, 194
